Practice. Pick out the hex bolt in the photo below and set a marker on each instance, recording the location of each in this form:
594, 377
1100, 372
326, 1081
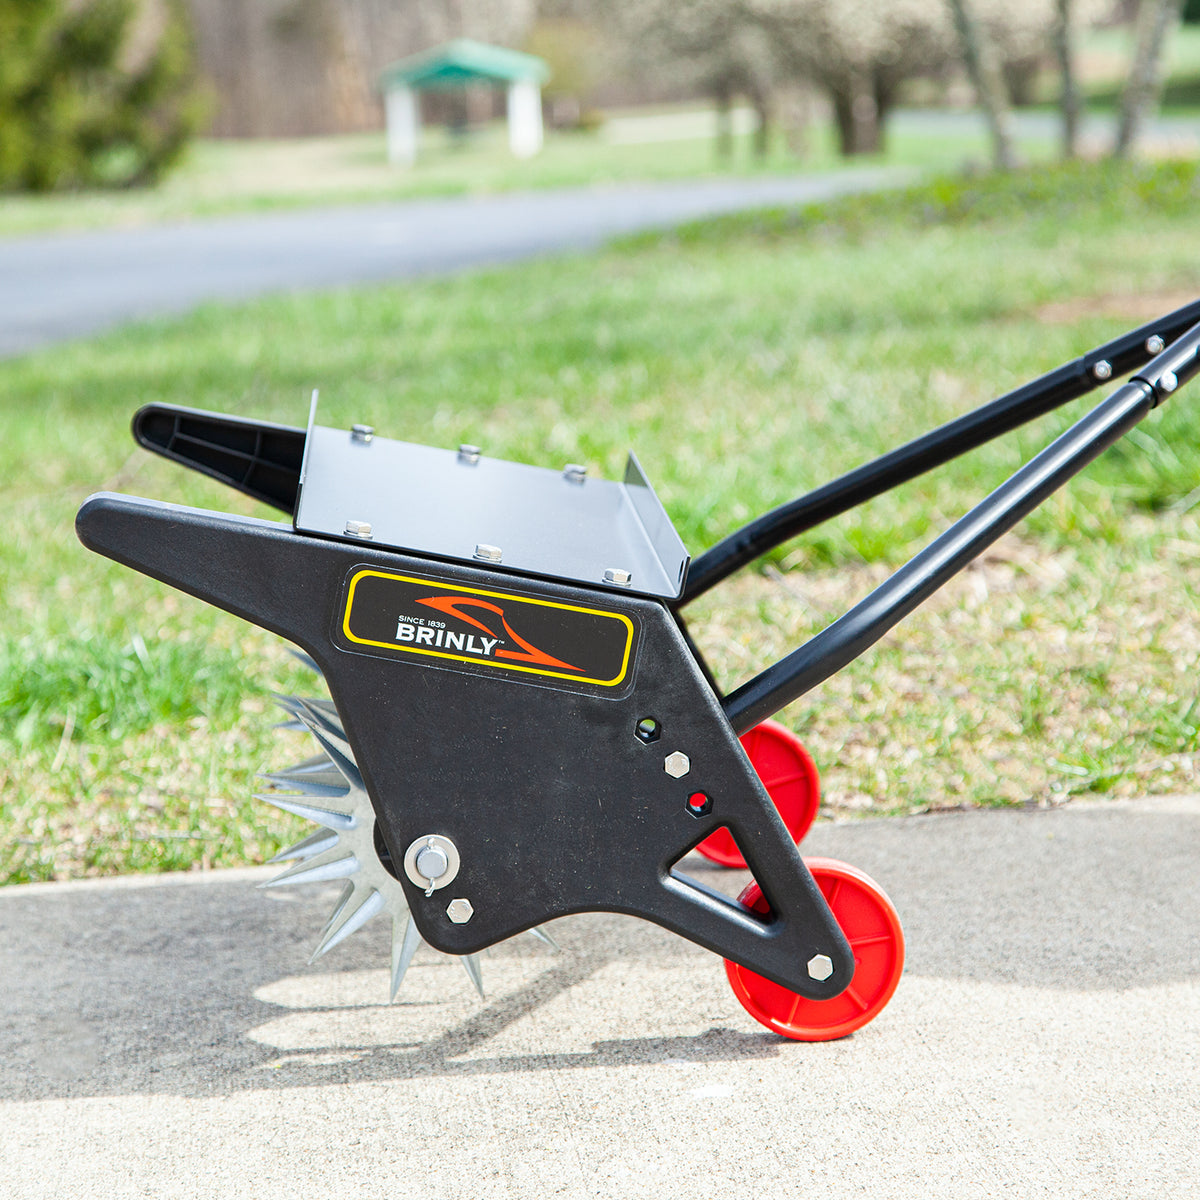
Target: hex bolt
648, 730
618, 575
574, 473
677, 764
488, 553
362, 433
1155, 344
820, 967
1168, 381
360, 529
468, 454
1102, 370
460, 910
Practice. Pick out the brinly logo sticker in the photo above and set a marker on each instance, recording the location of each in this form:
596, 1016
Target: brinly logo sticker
406, 615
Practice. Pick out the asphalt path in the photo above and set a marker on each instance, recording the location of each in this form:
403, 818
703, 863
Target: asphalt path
162, 1037
68, 285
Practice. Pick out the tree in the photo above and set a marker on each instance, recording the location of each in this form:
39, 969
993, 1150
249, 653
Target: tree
1065, 34
857, 52
1155, 20
983, 67
81, 103
713, 45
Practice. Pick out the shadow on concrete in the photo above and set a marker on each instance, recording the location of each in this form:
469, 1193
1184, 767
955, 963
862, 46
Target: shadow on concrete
167, 987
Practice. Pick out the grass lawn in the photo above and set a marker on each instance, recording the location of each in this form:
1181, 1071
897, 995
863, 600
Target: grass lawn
745, 360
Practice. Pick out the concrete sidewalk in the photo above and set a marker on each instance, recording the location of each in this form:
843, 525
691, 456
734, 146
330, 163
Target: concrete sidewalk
162, 1037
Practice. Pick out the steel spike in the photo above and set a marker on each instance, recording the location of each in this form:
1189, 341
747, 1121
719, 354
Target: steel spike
306, 659
542, 936
352, 918
342, 900
335, 745
316, 871
403, 950
322, 712
315, 843
329, 817
328, 775
474, 968
306, 787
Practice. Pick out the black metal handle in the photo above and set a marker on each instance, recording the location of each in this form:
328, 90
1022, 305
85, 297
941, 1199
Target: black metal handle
1111, 360
868, 621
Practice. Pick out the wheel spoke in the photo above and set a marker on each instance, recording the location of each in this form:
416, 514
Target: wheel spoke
833, 892
855, 998
873, 939
771, 784
791, 1017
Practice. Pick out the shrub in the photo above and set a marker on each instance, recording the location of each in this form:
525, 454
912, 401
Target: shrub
98, 93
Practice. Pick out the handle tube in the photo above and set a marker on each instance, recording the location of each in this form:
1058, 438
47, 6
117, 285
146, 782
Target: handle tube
1069, 382
868, 621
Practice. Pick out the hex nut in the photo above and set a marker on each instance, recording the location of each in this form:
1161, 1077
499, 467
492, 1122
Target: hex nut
820, 967
677, 764
460, 911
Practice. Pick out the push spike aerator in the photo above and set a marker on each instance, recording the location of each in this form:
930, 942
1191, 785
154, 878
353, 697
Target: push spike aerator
520, 726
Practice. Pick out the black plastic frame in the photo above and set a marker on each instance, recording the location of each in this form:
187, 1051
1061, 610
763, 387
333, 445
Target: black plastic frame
264, 460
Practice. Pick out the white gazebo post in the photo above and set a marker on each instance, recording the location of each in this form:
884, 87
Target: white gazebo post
403, 124
524, 118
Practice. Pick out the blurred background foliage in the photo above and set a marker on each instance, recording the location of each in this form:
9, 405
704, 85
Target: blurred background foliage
99, 93
109, 92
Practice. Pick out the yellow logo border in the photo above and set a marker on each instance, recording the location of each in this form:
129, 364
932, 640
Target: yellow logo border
488, 662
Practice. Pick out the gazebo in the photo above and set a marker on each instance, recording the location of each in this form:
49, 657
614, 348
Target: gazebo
454, 65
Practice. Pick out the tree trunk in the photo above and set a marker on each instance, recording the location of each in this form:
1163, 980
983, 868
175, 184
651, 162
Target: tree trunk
857, 116
723, 95
762, 135
1156, 18
1064, 50
979, 56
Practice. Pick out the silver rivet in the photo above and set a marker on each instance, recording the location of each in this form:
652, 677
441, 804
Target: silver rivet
820, 967
488, 553
469, 454
431, 853
618, 575
360, 529
1155, 344
362, 433
1168, 381
432, 862
574, 473
677, 764
460, 910
1102, 370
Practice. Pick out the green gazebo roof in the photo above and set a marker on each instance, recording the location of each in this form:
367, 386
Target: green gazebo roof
463, 61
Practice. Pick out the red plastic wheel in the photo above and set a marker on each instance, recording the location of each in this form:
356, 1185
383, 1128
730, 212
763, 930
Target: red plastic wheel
872, 927
790, 777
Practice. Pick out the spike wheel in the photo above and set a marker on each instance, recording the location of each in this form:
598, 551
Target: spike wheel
790, 777
871, 925
328, 790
